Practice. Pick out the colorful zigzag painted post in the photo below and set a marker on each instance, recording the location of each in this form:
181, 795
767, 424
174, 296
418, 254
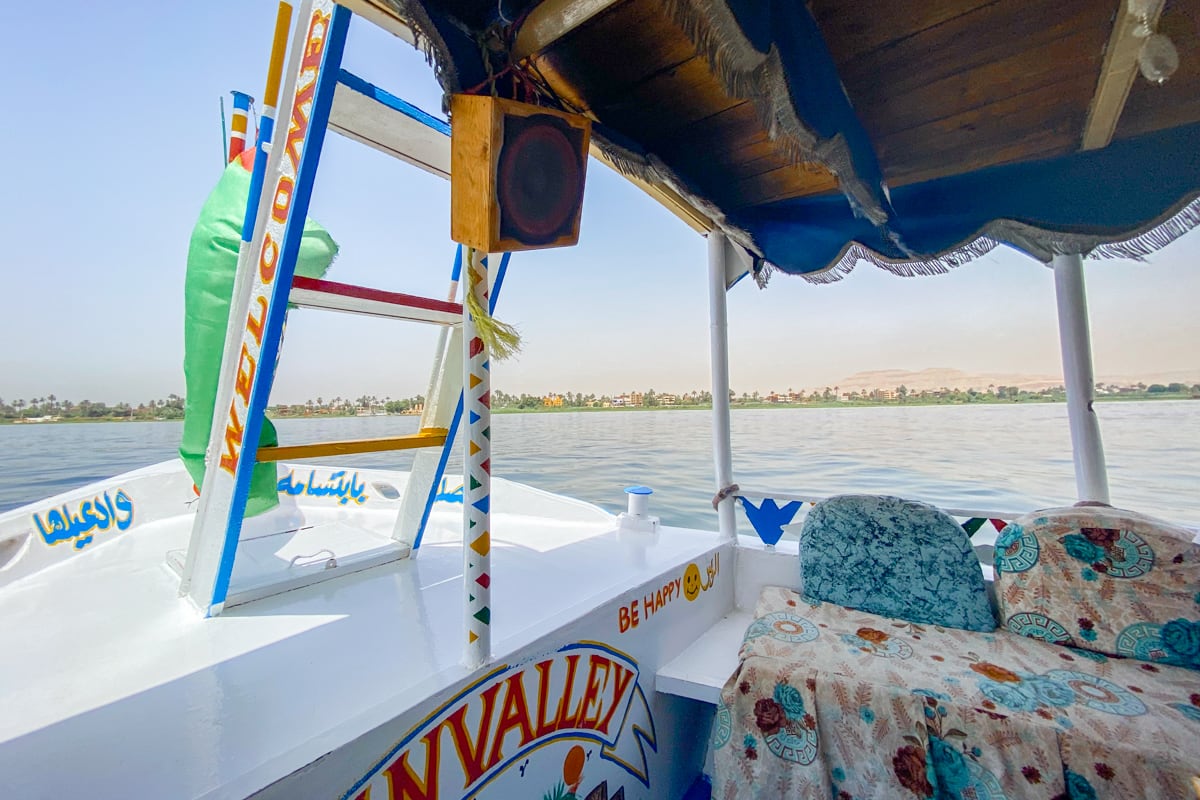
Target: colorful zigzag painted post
477, 469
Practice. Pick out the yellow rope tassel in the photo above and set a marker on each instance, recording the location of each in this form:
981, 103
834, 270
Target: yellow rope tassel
501, 340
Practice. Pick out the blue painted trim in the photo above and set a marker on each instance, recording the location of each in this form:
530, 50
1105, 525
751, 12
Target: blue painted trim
241, 100
441, 470
352, 81
501, 271
456, 270
266, 129
260, 393
452, 432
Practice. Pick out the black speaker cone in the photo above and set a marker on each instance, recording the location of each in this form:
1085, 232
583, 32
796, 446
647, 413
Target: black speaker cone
539, 178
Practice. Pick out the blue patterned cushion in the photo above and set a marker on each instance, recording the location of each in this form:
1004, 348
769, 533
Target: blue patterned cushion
895, 558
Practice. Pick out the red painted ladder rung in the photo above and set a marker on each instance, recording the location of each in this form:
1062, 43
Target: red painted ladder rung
334, 296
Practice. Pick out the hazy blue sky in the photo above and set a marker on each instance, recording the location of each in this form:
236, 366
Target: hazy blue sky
112, 141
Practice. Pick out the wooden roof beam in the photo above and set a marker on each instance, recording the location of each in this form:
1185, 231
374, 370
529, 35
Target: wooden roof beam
1116, 75
553, 19
383, 16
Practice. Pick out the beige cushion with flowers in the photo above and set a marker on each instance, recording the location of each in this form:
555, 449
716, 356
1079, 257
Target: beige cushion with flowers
1103, 579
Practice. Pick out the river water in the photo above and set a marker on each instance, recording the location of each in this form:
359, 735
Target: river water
986, 457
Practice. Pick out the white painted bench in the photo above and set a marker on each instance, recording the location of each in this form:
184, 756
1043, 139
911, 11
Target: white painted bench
701, 670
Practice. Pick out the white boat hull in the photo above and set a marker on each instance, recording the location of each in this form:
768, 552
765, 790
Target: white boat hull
353, 687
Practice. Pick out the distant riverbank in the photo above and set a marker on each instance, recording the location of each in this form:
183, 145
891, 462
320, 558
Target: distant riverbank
997, 457
960, 399
739, 404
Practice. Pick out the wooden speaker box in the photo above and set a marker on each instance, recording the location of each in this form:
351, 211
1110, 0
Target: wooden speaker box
516, 174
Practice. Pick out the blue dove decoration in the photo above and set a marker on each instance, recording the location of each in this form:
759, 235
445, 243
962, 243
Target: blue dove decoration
768, 518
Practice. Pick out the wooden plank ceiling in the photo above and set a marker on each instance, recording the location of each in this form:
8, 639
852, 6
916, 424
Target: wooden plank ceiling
941, 87
957, 85
636, 72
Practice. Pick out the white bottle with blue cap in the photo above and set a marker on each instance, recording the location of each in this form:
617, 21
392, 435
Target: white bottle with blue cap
636, 518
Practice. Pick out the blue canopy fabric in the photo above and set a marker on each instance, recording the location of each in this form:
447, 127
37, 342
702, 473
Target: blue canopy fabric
772, 53
1135, 195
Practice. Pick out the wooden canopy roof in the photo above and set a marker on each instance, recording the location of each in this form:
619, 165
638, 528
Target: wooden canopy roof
940, 87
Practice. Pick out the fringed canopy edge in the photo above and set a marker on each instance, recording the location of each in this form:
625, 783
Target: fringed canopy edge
1039, 243
748, 73
647, 167
429, 41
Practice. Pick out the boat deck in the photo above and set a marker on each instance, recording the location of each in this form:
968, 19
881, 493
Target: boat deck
154, 701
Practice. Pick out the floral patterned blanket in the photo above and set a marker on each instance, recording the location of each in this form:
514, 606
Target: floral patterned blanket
833, 703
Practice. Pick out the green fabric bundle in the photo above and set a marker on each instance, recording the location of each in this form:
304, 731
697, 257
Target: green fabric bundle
211, 267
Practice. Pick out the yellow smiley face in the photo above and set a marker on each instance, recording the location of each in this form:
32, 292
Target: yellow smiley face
691, 582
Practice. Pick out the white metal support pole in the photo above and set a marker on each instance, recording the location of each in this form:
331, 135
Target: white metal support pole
719, 364
1091, 475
